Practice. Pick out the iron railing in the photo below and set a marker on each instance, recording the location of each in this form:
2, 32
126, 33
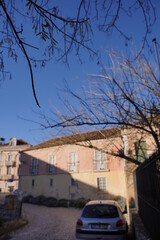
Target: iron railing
148, 193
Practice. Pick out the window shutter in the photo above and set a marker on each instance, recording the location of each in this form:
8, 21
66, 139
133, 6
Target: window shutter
72, 162
141, 150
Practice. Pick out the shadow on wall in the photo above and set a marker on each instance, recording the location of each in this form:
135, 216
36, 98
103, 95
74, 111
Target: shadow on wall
41, 182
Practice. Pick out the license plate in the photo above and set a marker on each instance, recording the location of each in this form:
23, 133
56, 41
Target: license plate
99, 226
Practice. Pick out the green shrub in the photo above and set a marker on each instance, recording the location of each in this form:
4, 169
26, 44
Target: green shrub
72, 203
53, 202
122, 202
63, 202
41, 199
27, 199
78, 203
50, 202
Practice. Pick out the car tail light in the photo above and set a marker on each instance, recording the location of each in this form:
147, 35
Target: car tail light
120, 223
79, 222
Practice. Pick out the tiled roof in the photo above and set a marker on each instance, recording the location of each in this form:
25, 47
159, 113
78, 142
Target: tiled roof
22, 142
71, 139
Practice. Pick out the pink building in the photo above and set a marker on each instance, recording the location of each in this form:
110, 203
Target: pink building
9, 163
83, 165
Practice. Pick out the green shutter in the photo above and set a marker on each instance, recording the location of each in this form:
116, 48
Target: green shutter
141, 150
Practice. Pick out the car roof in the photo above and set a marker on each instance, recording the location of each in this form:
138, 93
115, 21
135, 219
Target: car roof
108, 202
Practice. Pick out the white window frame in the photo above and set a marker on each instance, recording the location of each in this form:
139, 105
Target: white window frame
34, 165
10, 158
101, 184
73, 166
9, 170
100, 159
51, 163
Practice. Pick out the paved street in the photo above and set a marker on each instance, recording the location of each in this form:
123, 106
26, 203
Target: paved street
47, 224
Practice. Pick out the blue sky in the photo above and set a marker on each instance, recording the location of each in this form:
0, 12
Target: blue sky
17, 102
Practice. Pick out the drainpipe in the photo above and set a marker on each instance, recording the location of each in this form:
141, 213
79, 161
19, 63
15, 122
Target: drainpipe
125, 145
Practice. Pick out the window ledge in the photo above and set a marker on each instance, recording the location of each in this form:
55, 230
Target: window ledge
102, 170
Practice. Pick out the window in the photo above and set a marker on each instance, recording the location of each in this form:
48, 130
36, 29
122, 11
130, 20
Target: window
141, 150
9, 170
10, 188
10, 157
100, 160
73, 182
51, 163
0, 158
72, 162
101, 184
51, 182
33, 182
34, 166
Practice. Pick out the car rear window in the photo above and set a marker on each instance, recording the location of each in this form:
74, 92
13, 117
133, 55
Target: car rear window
100, 211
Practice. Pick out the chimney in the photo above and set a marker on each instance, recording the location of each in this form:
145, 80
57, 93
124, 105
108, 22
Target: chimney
2, 140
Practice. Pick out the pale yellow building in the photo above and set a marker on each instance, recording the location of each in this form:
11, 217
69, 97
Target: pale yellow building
83, 165
75, 166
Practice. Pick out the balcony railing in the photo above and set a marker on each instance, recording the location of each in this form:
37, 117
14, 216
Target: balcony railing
7, 177
100, 165
9, 163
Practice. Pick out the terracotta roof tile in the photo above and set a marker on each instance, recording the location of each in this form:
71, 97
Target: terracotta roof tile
71, 139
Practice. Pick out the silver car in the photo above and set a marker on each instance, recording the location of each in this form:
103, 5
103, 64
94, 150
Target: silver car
101, 220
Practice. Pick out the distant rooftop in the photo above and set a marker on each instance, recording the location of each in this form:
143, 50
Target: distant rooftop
13, 142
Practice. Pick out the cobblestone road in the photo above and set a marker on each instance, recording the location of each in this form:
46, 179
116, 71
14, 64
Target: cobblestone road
47, 223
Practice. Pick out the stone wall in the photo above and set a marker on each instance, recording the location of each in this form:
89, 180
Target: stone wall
11, 209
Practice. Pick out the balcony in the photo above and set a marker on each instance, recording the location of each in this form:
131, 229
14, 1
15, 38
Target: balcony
9, 163
72, 167
6, 177
100, 165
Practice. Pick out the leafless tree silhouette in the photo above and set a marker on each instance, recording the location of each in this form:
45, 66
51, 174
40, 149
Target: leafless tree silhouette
125, 97
47, 23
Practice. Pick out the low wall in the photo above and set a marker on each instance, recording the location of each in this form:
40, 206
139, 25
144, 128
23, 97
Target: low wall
11, 208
